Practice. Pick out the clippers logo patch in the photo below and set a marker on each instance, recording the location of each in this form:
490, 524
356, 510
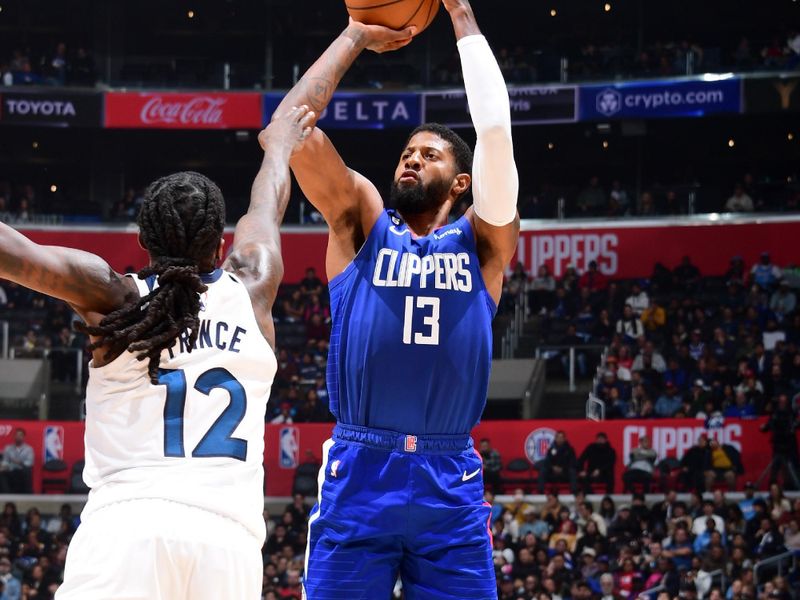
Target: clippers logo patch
411, 443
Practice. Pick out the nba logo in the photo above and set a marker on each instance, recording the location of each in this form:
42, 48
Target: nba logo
289, 447
538, 442
53, 443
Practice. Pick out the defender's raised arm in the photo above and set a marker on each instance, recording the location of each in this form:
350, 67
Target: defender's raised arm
256, 254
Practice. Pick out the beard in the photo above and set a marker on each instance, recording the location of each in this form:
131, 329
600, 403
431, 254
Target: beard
418, 198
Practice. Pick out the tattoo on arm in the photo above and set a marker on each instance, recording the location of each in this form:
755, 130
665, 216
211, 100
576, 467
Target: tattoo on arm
318, 84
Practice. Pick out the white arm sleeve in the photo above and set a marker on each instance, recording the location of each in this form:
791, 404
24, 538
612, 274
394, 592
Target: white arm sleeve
495, 182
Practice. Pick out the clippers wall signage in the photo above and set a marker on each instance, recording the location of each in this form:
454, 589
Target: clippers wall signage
659, 99
624, 250
361, 111
155, 110
284, 445
55, 109
772, 94
529, 106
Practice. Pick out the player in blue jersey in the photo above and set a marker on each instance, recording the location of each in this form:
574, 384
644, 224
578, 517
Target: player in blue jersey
412, 300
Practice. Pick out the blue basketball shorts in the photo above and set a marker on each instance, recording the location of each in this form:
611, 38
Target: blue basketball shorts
391, 504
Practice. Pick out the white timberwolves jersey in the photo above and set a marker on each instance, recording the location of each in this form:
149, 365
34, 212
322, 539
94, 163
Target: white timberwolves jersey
198, 437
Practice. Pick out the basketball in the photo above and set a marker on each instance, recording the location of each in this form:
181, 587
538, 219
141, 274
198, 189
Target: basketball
394, 15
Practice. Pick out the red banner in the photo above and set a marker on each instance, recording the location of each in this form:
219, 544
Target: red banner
621, 251
213, 110
290, 445
121, 249
628, 250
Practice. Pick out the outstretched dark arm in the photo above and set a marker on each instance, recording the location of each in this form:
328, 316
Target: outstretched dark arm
83, 280
256, 254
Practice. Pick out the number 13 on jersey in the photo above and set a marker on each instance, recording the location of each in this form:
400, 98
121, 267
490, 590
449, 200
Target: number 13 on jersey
429, 306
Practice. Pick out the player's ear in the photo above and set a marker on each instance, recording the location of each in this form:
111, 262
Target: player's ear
141, 243
461, 184
220, 250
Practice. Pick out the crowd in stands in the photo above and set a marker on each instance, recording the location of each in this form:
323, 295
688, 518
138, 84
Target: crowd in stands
303, 321
614, 199
679, 344
523, 63
56, 66
581, 550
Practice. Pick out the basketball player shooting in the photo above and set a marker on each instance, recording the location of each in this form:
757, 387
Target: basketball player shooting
182, 365
412, 301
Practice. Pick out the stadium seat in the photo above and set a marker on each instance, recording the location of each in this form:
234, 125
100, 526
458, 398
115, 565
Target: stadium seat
54, 478
76, 483
524, 476
305, 479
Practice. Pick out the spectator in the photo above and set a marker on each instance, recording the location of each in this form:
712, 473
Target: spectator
533, 524
693, 465
593, 279
764, 273
783, 300
699, 525
772, 335
592, 199
740, 201
587, 515
629, 326
647, 205
83, 70
492, 466
618, 198
654, 319
596, 464
649, 356
735, 273
317, 329
641, 466
12, 585
724, 463
746, 504
543, 290
312, 410
311, 284
16, 469
294, 308
687, 275
670, 402
518, 282
58, 65
558, 464
679, 549
608, 588
285, 415
639, 301
315, 307
741, 409
603, 328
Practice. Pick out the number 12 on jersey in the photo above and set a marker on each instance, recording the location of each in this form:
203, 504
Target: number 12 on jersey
430, 306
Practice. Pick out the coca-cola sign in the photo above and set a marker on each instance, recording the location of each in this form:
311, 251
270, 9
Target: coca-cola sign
183, 111
54, 109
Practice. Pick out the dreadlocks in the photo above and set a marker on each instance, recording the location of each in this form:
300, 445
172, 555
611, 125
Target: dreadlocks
181, 224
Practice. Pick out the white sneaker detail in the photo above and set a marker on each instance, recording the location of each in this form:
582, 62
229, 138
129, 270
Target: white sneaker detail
466, 477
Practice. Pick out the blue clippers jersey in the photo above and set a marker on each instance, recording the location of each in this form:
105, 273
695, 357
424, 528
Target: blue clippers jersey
411, 344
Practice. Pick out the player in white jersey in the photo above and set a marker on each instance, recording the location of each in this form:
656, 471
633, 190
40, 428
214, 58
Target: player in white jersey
182, 365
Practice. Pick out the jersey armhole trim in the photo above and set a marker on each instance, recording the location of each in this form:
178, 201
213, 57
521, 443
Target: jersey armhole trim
489, 300
341, 277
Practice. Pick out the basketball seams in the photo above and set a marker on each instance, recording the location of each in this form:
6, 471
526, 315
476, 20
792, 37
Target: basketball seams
431, 12
391, 13
374, 6
413, 14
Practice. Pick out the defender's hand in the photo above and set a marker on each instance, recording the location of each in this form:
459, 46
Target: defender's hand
288, 132
380, 39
